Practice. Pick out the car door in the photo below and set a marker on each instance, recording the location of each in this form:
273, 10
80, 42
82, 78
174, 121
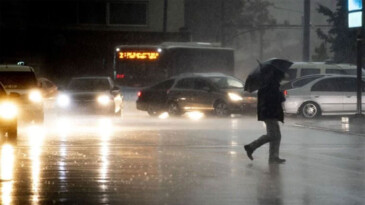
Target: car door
327, 93
350, 94
348, 86
203, 96
183, 93
158, 94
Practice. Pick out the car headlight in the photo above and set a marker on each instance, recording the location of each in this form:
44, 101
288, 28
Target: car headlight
8, 110
63, 100
103, 99
234, 97
35, 96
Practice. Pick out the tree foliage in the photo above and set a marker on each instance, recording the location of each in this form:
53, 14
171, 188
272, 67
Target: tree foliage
341, 39
248, 16
254, 14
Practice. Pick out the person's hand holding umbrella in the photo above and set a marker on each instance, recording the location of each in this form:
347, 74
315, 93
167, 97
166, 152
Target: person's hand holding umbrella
272, 69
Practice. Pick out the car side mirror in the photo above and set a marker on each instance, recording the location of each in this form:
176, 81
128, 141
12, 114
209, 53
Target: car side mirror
14, 95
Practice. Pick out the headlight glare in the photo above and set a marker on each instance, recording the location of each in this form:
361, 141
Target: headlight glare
8, 110
103, 99
234, 97
35, 96
63, 100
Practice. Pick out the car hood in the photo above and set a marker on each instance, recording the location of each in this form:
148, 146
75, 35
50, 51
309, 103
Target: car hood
239, 91
86, 95
19, 91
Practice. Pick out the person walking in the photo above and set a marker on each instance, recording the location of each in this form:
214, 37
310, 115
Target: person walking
269, 110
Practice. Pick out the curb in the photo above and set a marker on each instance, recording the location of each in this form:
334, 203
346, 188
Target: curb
327, 129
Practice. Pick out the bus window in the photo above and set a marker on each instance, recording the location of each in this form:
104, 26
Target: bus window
335, 71
309, 71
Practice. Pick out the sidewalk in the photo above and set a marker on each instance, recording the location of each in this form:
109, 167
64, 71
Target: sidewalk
335, 124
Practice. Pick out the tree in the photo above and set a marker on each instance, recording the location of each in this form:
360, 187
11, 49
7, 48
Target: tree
249, 16
341, 39
320, 53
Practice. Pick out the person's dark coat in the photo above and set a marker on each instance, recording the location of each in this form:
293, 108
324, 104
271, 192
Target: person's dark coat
269, 102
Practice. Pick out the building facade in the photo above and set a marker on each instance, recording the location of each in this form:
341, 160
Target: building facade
71, 38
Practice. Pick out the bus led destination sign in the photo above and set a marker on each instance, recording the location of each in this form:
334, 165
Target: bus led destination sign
138, 55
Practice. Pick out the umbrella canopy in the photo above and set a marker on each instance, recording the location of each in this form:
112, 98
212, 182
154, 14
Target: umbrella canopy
256, 78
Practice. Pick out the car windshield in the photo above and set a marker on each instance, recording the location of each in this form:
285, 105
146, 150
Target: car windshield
89, 85
226, 82
18, 80
304, 81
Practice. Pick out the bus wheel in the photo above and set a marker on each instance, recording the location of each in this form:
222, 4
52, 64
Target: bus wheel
221, 109
173, 109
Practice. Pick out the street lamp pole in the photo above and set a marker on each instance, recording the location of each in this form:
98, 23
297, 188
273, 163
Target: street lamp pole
359, 72
306, 31
359, 63
164, 24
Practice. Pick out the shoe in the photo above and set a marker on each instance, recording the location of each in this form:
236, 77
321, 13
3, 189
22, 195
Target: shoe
249, 151
276, 161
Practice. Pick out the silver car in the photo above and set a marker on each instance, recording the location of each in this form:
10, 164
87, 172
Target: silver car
327, 95
91, 94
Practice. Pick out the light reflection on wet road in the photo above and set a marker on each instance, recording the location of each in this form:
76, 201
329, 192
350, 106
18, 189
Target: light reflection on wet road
141, 160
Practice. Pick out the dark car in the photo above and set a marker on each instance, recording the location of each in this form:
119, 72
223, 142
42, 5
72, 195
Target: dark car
8, 113
91, 94
207, 92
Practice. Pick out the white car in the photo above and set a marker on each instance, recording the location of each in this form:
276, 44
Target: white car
21, 80
91, 94
327, 95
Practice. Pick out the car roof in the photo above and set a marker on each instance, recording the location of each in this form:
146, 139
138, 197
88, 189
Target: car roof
310, 76
324, 65
15, 68
183, 75
325, 77
92, 77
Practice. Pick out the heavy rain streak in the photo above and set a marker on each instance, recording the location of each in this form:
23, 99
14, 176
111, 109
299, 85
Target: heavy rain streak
182, 102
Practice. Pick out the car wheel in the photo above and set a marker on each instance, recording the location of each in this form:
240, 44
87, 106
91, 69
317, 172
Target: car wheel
174, 109
310, 110
152, 112
221, 109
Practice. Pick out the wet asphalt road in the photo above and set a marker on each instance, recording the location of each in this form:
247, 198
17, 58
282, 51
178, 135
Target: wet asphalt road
141, 160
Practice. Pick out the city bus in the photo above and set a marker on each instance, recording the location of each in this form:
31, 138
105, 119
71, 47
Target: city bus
142, 65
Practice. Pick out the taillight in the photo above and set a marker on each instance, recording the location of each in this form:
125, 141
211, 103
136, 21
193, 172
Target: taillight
120, 76
285, 92
139, 94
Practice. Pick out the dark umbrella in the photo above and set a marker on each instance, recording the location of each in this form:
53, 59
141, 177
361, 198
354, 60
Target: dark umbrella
256, 78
